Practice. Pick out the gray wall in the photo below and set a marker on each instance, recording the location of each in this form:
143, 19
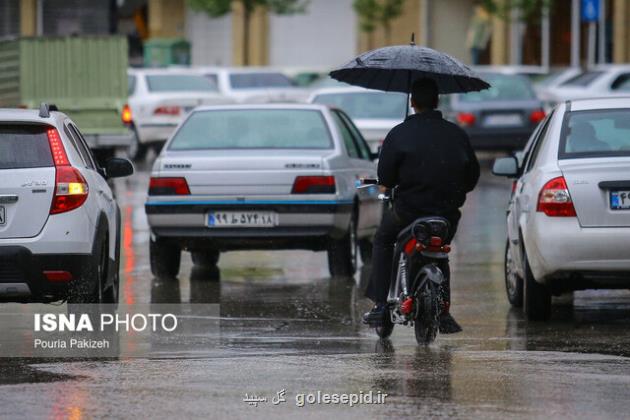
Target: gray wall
211, 39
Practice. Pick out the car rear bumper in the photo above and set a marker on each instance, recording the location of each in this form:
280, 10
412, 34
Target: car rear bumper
155, 132
560, 248
22, 278
300, 225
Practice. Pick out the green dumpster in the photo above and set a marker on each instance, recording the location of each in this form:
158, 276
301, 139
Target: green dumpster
161, 52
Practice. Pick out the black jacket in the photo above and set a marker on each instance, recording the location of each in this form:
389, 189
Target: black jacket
431, 162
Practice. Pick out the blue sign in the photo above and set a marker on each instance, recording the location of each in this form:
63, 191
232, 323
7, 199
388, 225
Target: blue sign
590, 10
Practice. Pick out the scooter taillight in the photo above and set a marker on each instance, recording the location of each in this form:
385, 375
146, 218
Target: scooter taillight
435, 241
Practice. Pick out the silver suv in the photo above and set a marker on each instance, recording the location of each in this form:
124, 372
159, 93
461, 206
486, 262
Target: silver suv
59, 222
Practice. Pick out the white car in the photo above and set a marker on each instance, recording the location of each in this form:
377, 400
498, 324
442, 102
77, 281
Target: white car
554, 79
160, 99
274, 176
569, 215
254, 84
59, 221
374, 112
601, 81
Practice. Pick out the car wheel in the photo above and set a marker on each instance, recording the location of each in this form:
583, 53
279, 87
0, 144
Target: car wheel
89, 288
165, 258
536, 297
206, 258
342, 253
513, 282
365, 250
136, 150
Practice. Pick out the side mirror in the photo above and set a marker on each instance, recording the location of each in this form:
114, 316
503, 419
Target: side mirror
507, 166
118, 168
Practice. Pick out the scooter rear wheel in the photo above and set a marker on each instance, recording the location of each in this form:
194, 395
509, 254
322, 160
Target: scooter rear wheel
427, 321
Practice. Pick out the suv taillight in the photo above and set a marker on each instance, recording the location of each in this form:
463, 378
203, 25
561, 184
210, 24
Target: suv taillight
71, 188
314, 185
168, 186
554, 199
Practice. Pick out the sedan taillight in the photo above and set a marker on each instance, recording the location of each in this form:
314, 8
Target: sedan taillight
554, 199
466, 119
71, 188
537, 116
314, 185
168, 186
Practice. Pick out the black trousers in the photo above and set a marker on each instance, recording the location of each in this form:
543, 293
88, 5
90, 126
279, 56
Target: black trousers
383, 252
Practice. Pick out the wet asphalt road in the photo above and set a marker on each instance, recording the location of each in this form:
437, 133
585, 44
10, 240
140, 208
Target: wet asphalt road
285, 324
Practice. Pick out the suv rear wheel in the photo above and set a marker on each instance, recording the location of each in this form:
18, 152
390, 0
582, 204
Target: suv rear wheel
165, 257
342, 253
89, 287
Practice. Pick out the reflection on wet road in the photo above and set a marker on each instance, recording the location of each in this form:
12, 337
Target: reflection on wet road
286, 325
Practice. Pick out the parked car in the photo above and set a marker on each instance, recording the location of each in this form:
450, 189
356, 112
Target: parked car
598, 82
500, 118
569, 214
254, 84
159, 101
554, 79
373, 112
262, 177
59, 221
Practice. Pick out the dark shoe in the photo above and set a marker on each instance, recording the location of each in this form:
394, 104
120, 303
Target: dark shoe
376, 316
448, 325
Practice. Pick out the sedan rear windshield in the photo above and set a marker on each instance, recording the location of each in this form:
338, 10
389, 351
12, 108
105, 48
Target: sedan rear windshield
583, 79
259, 80
180, 83
24, 147
597, 133
367, 105
253, 129
504, 87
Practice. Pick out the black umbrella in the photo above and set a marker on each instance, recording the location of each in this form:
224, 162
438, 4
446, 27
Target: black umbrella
395, 69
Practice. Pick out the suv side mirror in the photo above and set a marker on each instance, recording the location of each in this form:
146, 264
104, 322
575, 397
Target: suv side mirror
118, 168
507, 166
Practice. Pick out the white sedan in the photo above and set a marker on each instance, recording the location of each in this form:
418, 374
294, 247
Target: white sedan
160, 99
373, 112
601, 81
569, 215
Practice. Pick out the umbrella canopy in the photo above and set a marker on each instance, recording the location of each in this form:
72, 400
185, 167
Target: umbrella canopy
395, 69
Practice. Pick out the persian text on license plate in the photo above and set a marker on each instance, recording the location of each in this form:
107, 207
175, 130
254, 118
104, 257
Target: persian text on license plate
620, 200
217, 219
501, 120
3, 216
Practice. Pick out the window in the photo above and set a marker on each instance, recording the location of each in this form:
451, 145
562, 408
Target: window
504, 87
367, 105
24, 146
538, 143
596, 133
348, 140
213, 77
253, 129
363, 148
621, 83
180, 83
131, 85
583, 79
82, 147
259, 80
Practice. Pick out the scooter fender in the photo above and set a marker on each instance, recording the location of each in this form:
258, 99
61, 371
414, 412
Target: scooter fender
429, 272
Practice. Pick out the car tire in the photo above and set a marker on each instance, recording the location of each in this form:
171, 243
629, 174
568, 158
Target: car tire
536, 297
342, 253
365, 250
207, 258
89, 287
112, 293
513, 282
136, 151
165, 258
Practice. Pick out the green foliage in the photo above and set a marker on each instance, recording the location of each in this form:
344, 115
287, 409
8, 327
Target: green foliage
529, 9
377, 12
217, 8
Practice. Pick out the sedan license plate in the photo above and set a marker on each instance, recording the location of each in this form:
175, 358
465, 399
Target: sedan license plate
3, 216
503, 120
620, 200
221, 219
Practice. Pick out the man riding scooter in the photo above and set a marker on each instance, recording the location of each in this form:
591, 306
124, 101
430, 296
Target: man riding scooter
431, 165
